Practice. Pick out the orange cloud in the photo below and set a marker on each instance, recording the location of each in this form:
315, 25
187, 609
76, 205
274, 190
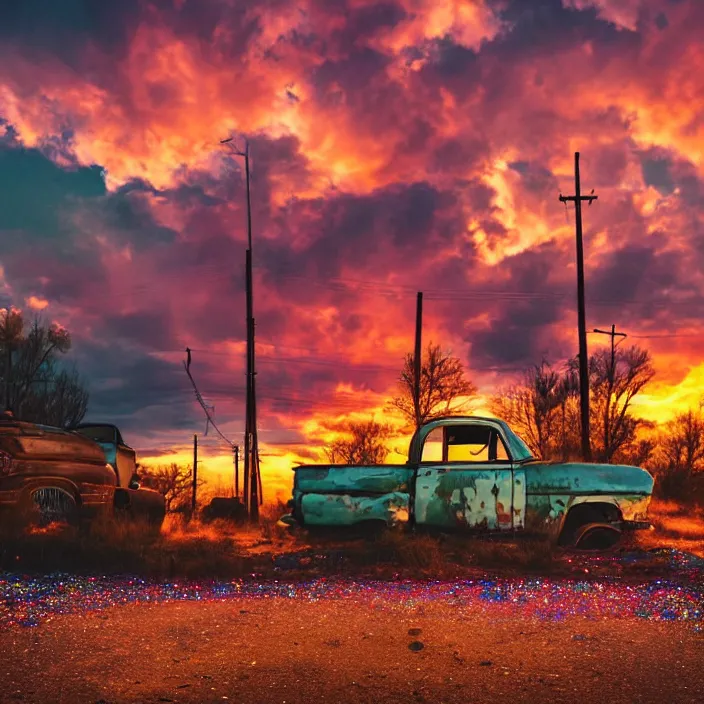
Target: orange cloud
415, 146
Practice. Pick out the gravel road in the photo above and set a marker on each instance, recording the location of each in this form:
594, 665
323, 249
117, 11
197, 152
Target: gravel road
352, 649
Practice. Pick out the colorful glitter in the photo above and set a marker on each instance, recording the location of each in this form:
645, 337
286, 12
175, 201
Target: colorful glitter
28, 601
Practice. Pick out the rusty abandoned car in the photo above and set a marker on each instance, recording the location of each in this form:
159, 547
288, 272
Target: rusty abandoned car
48, 474
476, 474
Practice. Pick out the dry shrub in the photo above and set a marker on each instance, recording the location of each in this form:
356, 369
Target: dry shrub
415, 551
113, 546
523, 555
445, 555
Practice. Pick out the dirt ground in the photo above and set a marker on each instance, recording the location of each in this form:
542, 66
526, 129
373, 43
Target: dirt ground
372, 647
277, 650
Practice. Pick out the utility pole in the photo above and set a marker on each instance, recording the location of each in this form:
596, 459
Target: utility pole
612, 374
417, 357
252, 477
577, 199
613, 335
195, 474
237, 471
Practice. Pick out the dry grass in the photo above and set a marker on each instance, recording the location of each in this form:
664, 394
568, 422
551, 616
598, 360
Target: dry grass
675, 525
183, 548
223, 550
403, 554
115, 547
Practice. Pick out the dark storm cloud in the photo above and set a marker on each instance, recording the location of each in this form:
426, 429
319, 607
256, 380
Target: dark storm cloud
275, 162
656, 171
149, 329
287, 378
452, 66
546, 27
685, 177
535, 178
457, 154
37, 193
629, 267
122, 380
364, 22
66, 27
639, 281
350, 231
513, 338
63, 27
518, 332
225, 29
128, 216
335, 80
607, 165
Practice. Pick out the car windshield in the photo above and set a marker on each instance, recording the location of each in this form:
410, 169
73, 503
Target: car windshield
99, 433
519, 450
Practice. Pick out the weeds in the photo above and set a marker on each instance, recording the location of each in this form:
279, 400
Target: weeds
224, 550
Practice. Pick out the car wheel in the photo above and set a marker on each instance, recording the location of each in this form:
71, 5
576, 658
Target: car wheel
52, 505
597, 536
591, 524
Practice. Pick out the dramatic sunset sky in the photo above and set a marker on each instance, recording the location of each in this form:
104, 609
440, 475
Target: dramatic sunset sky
397, 146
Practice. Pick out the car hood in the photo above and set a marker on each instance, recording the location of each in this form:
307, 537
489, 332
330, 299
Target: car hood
586, 478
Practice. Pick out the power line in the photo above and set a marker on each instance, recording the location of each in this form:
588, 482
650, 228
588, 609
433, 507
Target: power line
667, 336
187, 367
382, 288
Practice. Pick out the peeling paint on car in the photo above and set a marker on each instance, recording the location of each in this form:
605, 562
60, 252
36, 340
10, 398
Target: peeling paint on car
346, 510
375, 479
465, 498
581, 479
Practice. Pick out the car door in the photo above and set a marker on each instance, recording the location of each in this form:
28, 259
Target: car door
466, 480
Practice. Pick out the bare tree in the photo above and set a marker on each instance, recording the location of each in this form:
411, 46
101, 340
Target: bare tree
364, 444
64, 405
681, 446
11, 331
614, 382
544, 408
38, 389
444, 389
174, 481
639, 453
537, 408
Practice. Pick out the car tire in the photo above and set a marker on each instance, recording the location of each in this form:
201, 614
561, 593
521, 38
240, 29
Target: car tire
590, 526
597, 537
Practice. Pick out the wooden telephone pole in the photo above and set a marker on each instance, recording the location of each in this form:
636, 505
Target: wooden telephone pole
195, 474
577, 199
252, 478
236, 452
612, 374
613, 335
417, 357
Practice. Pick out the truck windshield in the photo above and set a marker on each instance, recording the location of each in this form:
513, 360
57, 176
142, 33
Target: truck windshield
99, 433
519, 450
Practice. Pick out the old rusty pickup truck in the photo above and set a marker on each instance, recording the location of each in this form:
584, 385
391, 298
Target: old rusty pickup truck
48, 473
476, 474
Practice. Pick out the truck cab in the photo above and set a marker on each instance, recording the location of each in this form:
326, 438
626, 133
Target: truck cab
118, 454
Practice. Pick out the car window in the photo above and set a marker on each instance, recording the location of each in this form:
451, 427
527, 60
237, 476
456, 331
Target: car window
432, 447
98, 433
464, 444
